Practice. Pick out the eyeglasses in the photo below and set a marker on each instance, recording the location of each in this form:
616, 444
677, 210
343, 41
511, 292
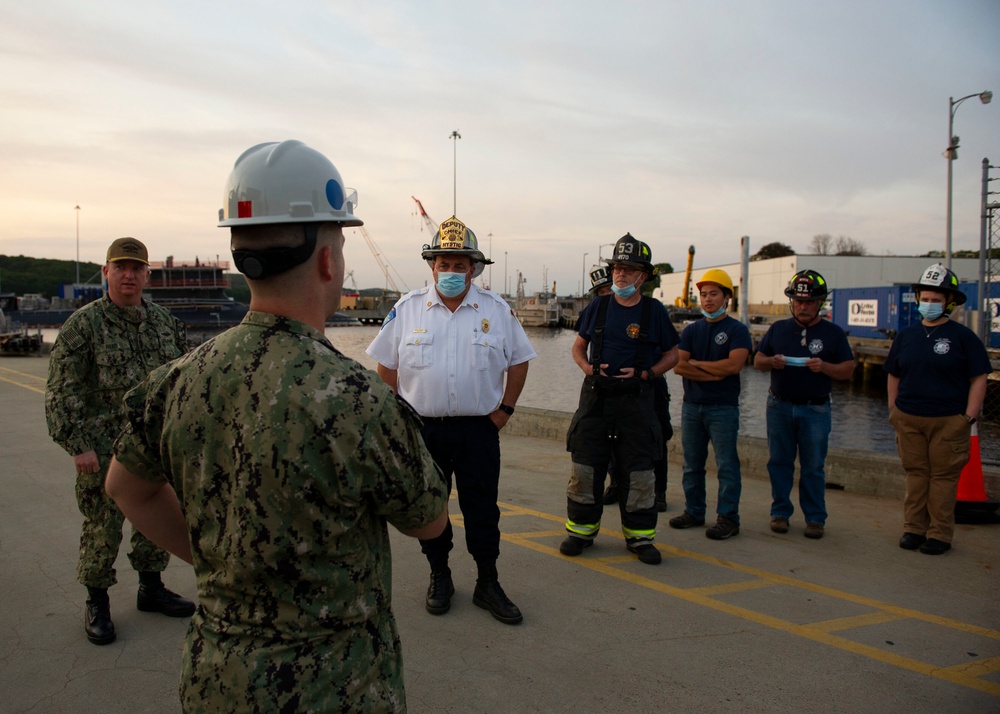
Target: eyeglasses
803, 337
627, 269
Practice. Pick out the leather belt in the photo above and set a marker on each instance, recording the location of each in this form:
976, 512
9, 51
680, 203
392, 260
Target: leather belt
801, 402
452, 418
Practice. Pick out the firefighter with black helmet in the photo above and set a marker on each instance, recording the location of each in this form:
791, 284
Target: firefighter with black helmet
804, 354
937, 383
661, 403
625, 342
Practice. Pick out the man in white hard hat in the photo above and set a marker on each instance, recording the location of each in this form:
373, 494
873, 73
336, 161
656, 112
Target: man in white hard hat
273, 463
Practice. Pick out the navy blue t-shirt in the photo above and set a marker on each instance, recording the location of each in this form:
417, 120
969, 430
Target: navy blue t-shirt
787, 337
621, 333
711, 342
934, 366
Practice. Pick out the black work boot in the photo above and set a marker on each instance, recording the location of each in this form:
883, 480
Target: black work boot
154, 597
97, 617
439, 592
490, 596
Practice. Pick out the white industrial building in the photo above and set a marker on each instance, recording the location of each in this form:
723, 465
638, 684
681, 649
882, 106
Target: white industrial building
768, 278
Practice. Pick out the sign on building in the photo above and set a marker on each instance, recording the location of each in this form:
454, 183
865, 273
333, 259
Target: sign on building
862, 313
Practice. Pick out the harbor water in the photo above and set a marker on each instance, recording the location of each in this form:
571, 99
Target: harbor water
860, 414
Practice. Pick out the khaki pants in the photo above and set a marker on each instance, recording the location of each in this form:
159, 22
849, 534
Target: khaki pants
933, 451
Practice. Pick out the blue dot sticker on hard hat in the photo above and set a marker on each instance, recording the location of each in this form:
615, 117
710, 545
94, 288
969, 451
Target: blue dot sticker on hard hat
335, 194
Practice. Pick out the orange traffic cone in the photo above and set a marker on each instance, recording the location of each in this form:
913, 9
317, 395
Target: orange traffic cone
973, 506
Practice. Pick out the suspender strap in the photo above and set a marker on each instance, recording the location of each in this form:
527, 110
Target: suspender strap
598, 342
642, 347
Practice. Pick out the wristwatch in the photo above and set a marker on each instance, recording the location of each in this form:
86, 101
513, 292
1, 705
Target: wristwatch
508, 410
971, 420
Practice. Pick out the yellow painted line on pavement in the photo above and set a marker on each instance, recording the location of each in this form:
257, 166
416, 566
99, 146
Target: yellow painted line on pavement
21, 384
966, 674
741, 586
979, 667
40, 380
848, 623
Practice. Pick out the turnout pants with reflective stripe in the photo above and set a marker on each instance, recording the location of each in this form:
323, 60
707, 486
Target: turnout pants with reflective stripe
615, 421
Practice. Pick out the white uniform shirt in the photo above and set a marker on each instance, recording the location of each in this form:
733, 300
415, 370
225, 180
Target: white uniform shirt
451, 363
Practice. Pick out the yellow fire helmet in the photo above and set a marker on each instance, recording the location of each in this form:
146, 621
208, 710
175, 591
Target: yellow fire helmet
455, 238
718, 277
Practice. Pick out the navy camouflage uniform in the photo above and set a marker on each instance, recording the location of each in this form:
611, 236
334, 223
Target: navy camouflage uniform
288, 460
101, 352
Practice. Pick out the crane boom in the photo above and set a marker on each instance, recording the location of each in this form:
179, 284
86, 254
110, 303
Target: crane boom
432, 227
380, 259
684, 300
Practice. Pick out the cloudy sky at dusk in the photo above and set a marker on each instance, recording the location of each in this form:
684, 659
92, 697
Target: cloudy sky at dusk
681, 122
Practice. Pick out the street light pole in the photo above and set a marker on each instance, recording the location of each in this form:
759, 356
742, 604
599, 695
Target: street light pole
490, 236
605, 245
77, 209
583, 275
506, 277
455, 136
951, 153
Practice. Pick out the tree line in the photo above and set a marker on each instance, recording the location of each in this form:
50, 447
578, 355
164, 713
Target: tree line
825, 244
22, 275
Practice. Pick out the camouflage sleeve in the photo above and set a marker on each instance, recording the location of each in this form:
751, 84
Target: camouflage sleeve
137, 447
70, 381
412, 492
180, 332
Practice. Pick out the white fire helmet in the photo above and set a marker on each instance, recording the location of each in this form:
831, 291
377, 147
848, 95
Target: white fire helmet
286, 182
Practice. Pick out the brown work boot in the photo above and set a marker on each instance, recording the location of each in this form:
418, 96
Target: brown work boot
779, 524
686, 520
723, 529
814, 530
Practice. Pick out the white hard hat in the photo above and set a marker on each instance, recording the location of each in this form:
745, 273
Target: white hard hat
286, 182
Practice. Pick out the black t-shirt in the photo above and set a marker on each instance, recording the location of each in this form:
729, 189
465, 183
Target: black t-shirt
621, 333
787, 337
934, 366
711, 342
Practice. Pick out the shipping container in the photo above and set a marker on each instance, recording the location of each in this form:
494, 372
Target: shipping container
876, 313
971, 291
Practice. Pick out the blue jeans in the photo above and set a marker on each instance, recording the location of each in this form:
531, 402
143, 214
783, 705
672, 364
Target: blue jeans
720, 424
806, 428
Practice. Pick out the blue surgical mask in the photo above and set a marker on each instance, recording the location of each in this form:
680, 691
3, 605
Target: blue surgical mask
451, 284
624, 293
712, 315
930, 310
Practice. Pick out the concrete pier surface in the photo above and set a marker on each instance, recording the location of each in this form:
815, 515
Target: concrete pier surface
759, 623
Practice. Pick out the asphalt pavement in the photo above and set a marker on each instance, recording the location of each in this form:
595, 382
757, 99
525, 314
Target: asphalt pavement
759, 623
